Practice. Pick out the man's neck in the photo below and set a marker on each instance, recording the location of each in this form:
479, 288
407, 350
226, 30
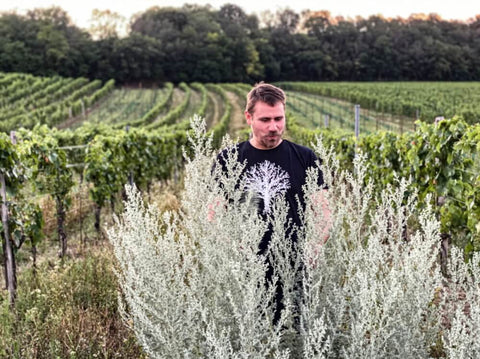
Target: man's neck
252, 142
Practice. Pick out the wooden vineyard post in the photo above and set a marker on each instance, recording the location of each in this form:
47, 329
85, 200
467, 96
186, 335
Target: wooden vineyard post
9, 264
326, 120
9, 259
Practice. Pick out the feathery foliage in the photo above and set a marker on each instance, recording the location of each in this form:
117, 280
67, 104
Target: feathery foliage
194, 286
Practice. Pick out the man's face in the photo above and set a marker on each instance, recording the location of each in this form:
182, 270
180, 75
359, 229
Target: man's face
267, 124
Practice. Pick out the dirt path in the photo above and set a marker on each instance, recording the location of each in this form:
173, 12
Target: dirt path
215, 111
193, 105
177, 97
237, 119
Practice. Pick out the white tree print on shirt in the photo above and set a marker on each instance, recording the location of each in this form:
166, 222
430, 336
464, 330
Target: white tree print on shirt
268, 181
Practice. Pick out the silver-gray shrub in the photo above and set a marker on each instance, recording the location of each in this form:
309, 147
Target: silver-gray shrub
194, 285
461, 306
373, 283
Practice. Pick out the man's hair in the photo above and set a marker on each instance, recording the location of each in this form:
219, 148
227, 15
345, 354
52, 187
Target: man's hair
266, 93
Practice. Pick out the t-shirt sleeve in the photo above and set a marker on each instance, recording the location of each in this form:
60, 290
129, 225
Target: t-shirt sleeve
220, 162
314, 163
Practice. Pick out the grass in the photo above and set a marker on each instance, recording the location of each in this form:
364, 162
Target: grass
67, 308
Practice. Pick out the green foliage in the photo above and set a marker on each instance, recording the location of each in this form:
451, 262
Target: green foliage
384, 150
462, 205
66, 310
48, 164
200, 43
112, 158
431, 157
25, 223
102, 170
10, 165
441, 158
25, 218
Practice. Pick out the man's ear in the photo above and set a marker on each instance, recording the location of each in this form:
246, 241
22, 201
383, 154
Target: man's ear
248, 117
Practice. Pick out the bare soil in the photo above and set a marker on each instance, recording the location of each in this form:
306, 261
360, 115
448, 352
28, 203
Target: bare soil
177, 97
193, 104
215, 110
237, 120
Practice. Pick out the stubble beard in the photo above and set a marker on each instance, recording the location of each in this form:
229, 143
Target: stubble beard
271, 140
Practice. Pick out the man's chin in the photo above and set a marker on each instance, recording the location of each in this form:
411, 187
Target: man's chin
272, 143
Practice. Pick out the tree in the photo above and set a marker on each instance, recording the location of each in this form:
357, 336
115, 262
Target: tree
317, 22
18, 39
54, 47
164, 24
54, 16
106, 23
287, 20
137, 58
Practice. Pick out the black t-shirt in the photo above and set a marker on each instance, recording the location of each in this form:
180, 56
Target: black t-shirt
280, 170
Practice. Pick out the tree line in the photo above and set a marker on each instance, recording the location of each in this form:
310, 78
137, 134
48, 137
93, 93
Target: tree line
200, 43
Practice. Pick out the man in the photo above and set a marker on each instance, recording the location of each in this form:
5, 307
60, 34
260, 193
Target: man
274, 165
267, 150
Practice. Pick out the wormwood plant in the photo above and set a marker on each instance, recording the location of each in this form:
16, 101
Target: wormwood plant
193, 284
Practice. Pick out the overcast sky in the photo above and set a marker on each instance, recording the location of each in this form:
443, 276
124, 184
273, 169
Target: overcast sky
80, 10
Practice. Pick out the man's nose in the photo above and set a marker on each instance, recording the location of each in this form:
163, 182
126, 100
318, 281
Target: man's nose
272, 126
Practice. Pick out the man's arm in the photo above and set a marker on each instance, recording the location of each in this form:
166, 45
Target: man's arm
322, 210
323, 224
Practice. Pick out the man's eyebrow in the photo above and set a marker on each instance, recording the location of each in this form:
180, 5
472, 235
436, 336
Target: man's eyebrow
268, 118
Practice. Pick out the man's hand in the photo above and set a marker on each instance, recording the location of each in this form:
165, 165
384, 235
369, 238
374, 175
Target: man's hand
321, 209
212, 207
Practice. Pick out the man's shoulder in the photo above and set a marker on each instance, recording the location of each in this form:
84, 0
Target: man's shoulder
244, 144
299, 148
239, 148
234, 147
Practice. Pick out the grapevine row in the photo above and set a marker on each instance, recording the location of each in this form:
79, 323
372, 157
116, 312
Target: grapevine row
28, 100
419, 100
174, 114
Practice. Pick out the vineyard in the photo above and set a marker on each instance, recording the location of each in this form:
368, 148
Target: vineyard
68, 147
415, 100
